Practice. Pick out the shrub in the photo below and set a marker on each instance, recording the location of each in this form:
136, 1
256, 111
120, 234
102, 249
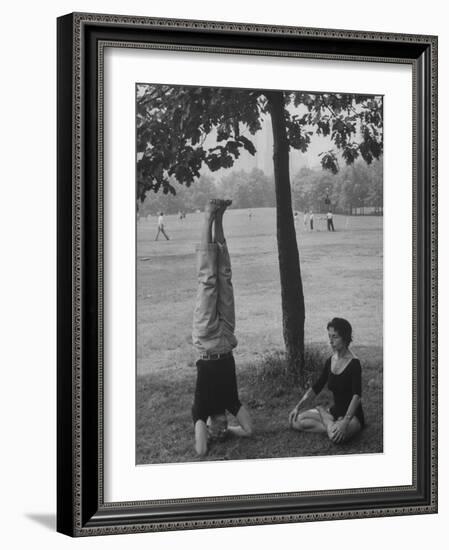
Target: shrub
271, 373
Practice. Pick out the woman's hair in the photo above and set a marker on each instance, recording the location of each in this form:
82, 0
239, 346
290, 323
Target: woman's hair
343, 328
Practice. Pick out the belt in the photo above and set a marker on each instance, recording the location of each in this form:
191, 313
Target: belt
214, 356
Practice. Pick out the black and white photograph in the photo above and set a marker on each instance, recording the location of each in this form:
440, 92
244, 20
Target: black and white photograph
259, 273
212, 214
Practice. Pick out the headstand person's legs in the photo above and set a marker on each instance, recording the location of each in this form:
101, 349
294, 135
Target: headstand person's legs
225, 298
210, 211
206, 324
205, 319
226, 313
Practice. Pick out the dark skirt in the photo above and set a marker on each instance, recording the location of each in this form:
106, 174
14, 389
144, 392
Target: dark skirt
216, 388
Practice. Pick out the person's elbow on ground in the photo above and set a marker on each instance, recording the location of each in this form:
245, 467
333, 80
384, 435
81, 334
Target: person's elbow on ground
249, 430
245, 421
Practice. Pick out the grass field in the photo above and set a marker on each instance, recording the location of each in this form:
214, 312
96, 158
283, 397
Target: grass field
342, 276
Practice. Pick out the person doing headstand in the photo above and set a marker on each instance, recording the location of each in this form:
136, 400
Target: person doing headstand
213, 336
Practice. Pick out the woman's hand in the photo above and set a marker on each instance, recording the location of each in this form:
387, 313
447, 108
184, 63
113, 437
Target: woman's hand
304, 399
337, 431
293, 415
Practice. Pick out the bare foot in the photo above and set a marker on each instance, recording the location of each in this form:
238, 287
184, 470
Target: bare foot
224, 203
323, 413
212, 207
326, 418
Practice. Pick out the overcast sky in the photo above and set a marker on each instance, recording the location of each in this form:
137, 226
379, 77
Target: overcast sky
263, 159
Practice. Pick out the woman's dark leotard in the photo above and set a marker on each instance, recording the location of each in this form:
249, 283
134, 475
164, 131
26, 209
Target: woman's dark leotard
343, 386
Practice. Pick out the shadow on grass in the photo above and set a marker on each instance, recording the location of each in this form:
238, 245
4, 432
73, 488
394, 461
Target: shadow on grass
164, 428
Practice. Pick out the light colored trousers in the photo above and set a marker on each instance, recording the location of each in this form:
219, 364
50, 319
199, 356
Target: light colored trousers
214, 314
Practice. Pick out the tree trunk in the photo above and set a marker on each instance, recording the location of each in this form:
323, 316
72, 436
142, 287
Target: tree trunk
293, 311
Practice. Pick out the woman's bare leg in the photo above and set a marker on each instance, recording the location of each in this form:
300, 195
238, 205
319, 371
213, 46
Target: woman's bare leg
326, 418
328, 421
353, 428
309, 421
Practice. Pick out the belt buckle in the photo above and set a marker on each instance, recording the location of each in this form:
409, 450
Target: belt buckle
212, 356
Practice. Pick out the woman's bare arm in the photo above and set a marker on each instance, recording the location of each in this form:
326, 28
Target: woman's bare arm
308, 395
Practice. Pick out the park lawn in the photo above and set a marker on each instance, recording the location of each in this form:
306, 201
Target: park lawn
165, 428
342, 276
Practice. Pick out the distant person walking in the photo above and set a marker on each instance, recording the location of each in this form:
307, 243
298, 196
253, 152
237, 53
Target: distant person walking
311, 220
306, 220
160, 227
330, 221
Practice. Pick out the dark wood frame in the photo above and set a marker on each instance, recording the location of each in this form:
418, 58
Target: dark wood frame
81, 509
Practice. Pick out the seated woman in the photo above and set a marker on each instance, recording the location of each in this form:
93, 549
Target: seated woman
342, 373
213, 337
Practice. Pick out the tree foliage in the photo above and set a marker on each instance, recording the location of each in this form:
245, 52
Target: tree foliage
174, 122
172, 126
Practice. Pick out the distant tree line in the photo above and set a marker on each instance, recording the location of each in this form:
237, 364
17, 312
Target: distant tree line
355, 189
247, 189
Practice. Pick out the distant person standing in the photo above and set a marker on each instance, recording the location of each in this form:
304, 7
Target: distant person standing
330, 221
160, 227
311, 219
306, 220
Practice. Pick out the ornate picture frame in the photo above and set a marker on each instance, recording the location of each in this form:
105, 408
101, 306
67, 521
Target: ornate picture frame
81, 507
